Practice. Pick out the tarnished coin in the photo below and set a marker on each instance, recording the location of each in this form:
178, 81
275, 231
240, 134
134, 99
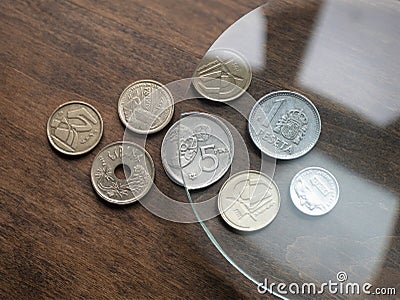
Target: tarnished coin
222, 75
314, 191
284, 125
249, 200
197, 150
139, 173
75, 128
146, 106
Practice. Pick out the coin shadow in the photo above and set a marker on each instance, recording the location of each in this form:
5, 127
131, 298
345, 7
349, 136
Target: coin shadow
67, 156
239, 232
193, 93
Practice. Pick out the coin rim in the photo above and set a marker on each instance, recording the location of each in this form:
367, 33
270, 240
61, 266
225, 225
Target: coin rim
195, 82
297, 95
83, 151
314, 168
164, 162
222, 213
131, 200
139, 131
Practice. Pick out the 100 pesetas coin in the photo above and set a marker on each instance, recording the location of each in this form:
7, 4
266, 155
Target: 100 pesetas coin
146, 106
284, 125
197, 150
74, 128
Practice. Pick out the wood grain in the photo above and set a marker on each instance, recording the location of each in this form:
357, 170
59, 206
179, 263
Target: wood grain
58, 239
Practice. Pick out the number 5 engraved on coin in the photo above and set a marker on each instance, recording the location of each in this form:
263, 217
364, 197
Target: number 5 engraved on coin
197, 150
212, 156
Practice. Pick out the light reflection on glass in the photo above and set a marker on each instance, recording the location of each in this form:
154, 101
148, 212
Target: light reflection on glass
248, 38
350, 57
348, 60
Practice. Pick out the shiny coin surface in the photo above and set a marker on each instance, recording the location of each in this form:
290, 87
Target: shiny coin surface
146, 106
74, 128
139, 175
284, 125
249, 200
314, 191
197, 150
222, 75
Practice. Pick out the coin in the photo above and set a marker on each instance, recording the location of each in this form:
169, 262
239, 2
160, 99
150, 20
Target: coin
74, 128
249, 200
222, 75
284, 125
197, 150
146, 106
314, 191
137, 183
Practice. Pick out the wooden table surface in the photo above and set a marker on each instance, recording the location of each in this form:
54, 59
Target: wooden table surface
57, 238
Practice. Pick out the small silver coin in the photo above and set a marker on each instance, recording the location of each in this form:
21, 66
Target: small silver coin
122, 191
249, 200
197, 150
75, 128
222, 75
284, 125
314, 191
146, 106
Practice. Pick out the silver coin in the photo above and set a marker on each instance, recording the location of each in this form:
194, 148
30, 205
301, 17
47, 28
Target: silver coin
197, 150
128, 190
146, 106
249, 200
75, 128
284, 125
222, 75
314, 191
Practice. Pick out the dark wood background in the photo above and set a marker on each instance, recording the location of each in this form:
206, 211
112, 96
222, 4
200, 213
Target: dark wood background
57, 238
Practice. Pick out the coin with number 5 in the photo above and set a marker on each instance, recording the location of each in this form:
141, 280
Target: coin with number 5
197, 150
